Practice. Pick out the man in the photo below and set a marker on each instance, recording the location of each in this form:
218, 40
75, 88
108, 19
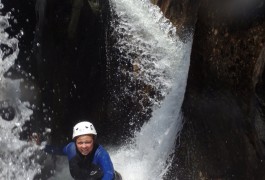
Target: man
87, 159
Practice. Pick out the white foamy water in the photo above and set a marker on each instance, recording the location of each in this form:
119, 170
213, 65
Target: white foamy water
163, 62
17, 158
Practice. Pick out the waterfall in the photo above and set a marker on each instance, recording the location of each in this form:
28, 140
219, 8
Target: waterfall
146, 39
18, 159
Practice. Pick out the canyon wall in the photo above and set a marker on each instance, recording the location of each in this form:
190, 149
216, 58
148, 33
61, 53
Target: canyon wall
223, 135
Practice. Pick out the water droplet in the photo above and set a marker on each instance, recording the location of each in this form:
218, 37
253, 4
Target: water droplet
33, 106
48, 130
1, 6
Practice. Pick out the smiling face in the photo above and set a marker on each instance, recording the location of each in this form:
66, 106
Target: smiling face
85, 144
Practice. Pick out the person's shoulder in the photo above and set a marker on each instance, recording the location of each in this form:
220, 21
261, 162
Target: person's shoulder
71, 144
101, 150
70, 150
70, 147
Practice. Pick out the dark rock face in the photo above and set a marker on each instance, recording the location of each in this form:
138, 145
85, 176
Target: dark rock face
183, 13
61, 49
69, 62
223, 137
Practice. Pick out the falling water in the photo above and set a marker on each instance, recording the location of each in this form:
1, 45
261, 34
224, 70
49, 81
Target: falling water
17, 158
147, 39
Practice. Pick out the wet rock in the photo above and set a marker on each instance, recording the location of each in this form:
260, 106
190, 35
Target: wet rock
183, 14
68, 62
60, 54
223, 137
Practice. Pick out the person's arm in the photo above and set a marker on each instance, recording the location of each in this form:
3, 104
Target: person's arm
102, 158
54, 150
68, 150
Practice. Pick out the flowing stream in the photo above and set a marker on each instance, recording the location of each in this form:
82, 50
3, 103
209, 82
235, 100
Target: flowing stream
149, 42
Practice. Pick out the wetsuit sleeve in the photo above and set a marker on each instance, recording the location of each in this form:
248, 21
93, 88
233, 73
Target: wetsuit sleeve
54, 150
102, 158
68, 150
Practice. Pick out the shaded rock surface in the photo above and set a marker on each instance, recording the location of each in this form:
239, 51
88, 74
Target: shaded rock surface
223, 135
67, 58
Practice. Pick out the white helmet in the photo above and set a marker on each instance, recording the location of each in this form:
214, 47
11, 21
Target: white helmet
82, 128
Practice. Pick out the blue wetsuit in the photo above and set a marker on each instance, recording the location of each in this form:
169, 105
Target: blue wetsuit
80, 165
